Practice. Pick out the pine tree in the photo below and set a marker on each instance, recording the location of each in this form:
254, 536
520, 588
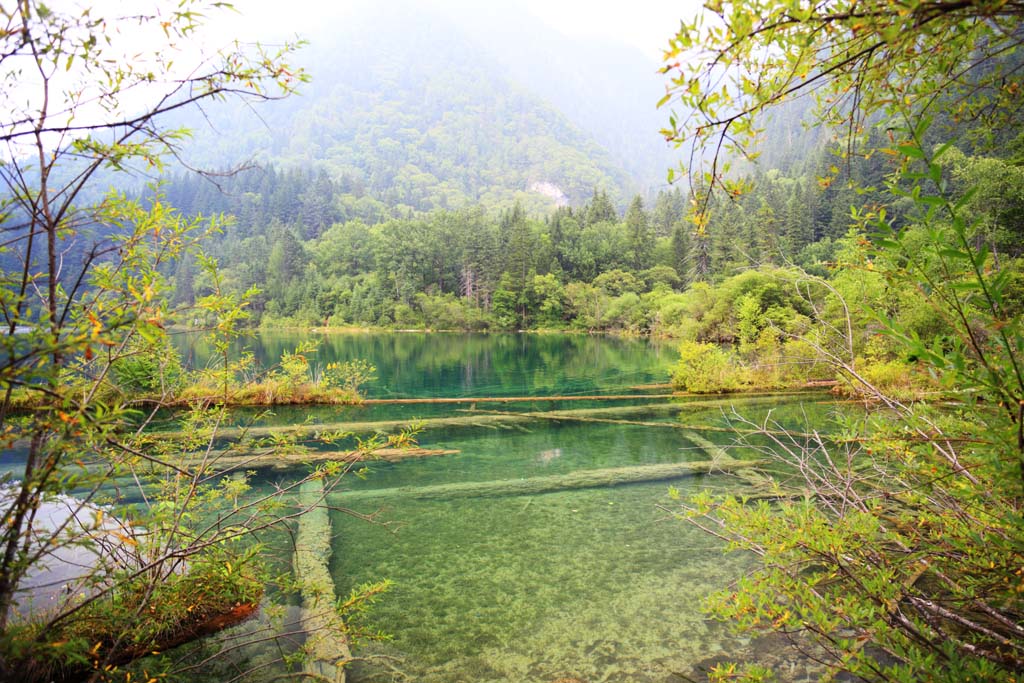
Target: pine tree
639, 235
519, 244
681, 249
600, 209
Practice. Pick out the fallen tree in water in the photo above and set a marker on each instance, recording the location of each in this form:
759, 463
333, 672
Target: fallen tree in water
585, 479
472, 418
327, 648
298, 455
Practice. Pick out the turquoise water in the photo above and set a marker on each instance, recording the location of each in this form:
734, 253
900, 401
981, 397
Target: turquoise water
596, 585
441, 364
600, 584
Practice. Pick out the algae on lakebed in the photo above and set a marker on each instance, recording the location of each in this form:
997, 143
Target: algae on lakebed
590, 584
598, 585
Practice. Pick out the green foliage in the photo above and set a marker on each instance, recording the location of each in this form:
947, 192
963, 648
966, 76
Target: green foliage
295, 366
549, 295
897, 556
616, 282
224, 583
704, 368
660, 275
160, 550
446, 130
148, 367
506, 305
350, 375
738, 59
900, 559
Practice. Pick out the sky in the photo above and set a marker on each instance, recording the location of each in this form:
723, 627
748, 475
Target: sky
643, 24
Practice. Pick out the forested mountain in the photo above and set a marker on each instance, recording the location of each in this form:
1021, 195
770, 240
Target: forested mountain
322, 251
608, 89
418, 183
415, 114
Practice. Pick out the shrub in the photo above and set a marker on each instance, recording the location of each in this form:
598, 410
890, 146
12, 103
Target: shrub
705, 368
350, 375
148, 367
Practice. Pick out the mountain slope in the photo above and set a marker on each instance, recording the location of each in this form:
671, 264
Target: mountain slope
606, 88
415, 114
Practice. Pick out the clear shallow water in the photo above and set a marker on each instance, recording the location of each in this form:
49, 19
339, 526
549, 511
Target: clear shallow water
594, 584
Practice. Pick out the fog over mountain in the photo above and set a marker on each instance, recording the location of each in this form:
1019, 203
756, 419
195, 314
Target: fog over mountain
430, 108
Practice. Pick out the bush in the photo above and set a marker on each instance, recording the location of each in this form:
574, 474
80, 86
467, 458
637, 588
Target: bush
448, 312
349, 375
705, 368
148, 367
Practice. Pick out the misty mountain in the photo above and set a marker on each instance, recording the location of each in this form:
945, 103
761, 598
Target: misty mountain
608, 89
414, 112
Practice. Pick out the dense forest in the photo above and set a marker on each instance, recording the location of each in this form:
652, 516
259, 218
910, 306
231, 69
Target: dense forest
845, 211
320, 256
404, 119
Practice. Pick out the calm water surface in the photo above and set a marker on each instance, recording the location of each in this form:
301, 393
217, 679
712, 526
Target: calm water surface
599, 585
441, 364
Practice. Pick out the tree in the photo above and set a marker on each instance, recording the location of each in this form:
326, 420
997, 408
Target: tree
640, 236
600, 209
895, 557
519, 243
83, 300
285, 265
681, 248
730, 64
669, 209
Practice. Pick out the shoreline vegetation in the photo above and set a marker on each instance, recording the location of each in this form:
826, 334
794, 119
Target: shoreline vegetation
148, 377
763, 328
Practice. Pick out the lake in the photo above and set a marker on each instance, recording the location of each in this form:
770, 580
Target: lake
441, 364
600, 584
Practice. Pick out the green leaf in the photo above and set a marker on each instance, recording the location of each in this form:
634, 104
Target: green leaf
955, 254
922, 127
911, 150
968, 195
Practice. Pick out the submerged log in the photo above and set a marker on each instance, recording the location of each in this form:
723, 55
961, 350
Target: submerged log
585, 479
714, 451
572, 416
483, 418
513, 399
592, 397
761, 485
298, 455
378, 426
327, 647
